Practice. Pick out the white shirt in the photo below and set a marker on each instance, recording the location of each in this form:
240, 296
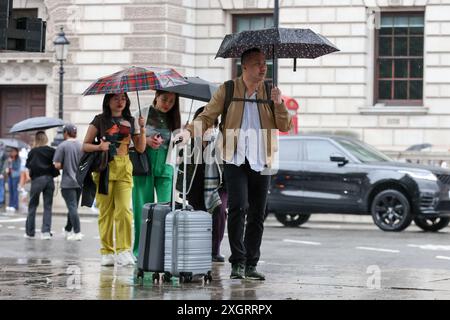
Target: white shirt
251, 141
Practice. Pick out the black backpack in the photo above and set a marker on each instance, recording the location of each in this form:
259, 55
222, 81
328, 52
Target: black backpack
229, 93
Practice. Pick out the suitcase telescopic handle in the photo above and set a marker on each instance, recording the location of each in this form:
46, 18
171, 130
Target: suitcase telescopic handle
176, 168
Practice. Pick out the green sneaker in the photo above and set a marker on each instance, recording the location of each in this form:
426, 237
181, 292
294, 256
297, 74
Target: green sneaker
237, 271
252, 274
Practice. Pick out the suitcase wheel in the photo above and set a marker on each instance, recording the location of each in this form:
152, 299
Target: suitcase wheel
166, 277
208, 277
140, 274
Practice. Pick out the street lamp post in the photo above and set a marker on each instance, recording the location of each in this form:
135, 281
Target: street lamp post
61, 50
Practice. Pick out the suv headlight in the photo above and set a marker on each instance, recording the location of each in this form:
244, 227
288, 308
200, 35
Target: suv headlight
421, 175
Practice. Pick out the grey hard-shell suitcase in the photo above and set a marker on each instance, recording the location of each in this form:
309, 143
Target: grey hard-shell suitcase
151, 242
188, 240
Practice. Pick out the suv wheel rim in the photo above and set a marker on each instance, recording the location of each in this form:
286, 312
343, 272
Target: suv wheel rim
390, 211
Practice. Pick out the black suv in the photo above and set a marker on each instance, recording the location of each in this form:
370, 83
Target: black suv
334, 174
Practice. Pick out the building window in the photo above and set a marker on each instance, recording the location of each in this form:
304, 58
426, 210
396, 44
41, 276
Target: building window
399, 59
251, 22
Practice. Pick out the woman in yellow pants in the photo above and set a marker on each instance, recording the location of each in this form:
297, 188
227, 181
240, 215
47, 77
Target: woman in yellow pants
113, 130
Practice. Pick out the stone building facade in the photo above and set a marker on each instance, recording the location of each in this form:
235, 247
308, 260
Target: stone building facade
336, 93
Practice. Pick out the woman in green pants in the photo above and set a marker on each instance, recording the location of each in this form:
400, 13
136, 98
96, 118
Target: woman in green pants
163, 118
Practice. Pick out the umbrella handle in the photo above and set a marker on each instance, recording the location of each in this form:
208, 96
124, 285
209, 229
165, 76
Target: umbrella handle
139, 103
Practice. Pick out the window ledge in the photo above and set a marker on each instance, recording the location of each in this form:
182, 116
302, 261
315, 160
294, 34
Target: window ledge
394, 110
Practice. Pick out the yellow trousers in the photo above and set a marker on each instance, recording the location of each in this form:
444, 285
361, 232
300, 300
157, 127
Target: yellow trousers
114, 209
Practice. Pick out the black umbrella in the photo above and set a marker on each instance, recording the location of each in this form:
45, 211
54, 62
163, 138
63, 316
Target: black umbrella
419, 147
277, 43
36, 123
14, 143
196, 89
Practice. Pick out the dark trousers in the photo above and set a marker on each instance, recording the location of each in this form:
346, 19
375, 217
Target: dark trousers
72, 198
247, 195
46, 186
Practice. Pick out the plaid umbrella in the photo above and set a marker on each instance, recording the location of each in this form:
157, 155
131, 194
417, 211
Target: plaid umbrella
136, 79
277, 43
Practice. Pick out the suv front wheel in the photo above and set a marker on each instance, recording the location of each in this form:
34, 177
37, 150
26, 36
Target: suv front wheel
292, 220
431, 224
391, 210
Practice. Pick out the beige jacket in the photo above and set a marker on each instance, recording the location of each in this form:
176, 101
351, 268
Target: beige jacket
271, 121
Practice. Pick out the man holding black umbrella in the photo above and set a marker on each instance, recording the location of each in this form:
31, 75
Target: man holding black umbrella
249, 132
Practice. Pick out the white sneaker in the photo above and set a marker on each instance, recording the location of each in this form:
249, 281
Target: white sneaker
124, 259
66, 234
75, 237
46, 236
28, 237
107, 260
133, 258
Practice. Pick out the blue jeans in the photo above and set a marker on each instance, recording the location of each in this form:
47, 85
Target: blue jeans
2, 191
72, 197
13, 184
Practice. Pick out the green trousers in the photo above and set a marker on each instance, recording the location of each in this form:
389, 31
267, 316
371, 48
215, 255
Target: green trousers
144, 188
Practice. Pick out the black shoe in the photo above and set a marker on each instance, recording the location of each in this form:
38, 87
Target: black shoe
218, 258
237, 271
252, 274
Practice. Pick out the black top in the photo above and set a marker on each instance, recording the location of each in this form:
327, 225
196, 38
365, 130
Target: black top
40, 162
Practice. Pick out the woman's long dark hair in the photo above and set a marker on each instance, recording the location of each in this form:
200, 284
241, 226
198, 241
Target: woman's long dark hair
174, 113
126, 113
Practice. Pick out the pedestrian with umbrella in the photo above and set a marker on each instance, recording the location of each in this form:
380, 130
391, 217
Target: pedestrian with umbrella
112, 132
250, 118
13, 167
163, 118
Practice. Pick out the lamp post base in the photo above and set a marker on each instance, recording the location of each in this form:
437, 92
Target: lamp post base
58, 138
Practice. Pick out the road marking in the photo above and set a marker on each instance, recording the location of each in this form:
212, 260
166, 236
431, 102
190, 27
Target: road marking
378, 249
96, 237
11, 227
430, 247
87, 220
1, 226
312, 243
13, 220
22, 228
443, 257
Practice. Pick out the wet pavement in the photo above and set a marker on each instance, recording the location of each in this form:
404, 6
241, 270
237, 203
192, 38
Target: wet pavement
336, 259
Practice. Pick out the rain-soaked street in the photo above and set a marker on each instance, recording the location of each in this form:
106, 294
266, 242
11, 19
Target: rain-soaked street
330, 257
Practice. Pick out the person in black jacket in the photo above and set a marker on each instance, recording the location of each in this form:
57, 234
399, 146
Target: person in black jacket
42, 172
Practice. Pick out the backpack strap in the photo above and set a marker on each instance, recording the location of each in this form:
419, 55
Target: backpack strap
229, 92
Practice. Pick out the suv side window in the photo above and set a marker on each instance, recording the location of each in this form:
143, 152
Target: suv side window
320, 150
289, 150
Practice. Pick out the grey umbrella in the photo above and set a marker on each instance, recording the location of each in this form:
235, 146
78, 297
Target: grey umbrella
36, 123
277, 43
14, 143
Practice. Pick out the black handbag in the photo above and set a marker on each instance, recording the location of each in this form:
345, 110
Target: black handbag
141, 166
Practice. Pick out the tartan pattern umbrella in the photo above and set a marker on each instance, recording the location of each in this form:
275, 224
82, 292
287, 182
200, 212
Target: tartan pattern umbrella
136, 79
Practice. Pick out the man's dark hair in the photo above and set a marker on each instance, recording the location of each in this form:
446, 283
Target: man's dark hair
247, 53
